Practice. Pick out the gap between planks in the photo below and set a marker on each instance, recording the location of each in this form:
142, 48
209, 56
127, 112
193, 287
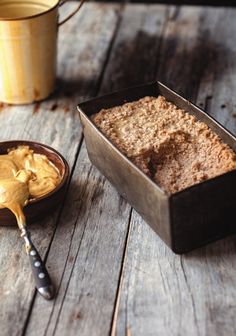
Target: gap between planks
123, 262
109, 50
67, 285
125, 253
120, 281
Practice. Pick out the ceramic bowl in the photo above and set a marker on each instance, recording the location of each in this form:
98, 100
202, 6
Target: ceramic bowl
38, 208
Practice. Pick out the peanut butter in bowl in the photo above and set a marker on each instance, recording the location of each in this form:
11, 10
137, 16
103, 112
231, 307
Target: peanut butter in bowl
25, 175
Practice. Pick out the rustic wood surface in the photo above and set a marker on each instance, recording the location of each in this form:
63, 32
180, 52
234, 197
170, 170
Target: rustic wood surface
112, 273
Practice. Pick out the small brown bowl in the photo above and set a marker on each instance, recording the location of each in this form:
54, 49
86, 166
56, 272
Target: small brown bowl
40, 207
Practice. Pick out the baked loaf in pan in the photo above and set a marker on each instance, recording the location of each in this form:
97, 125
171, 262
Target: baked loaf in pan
168, 144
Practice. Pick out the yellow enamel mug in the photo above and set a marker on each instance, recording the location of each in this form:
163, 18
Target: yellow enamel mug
28, 49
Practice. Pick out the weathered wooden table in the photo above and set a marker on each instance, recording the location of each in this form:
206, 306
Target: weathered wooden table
112, 272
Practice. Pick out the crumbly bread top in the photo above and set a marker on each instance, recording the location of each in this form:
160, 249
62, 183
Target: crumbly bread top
168, 144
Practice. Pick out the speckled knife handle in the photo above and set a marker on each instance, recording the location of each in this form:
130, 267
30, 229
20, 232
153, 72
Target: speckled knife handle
42, 279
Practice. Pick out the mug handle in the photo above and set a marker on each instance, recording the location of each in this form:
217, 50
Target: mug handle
71, 14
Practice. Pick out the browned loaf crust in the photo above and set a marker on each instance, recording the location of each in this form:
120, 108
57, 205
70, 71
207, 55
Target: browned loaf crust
171, 146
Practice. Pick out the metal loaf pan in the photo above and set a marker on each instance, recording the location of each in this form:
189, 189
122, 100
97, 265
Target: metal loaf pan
184, 220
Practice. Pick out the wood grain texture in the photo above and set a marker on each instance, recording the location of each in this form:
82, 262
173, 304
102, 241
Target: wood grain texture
182, 2
112, 273
54, 122
166, 294
92, 232
135, 54
193, 294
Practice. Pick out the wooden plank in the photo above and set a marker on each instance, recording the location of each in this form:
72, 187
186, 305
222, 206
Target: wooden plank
163, 293
194, 294
219, 78
182, 56
89, 267
184, 2
134, 58
92, 232
83, 46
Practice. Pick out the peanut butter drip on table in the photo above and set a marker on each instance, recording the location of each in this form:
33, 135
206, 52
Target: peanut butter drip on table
168, 144
25, 175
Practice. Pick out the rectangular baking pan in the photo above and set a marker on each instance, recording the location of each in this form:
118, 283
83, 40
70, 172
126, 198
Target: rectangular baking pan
184, 220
